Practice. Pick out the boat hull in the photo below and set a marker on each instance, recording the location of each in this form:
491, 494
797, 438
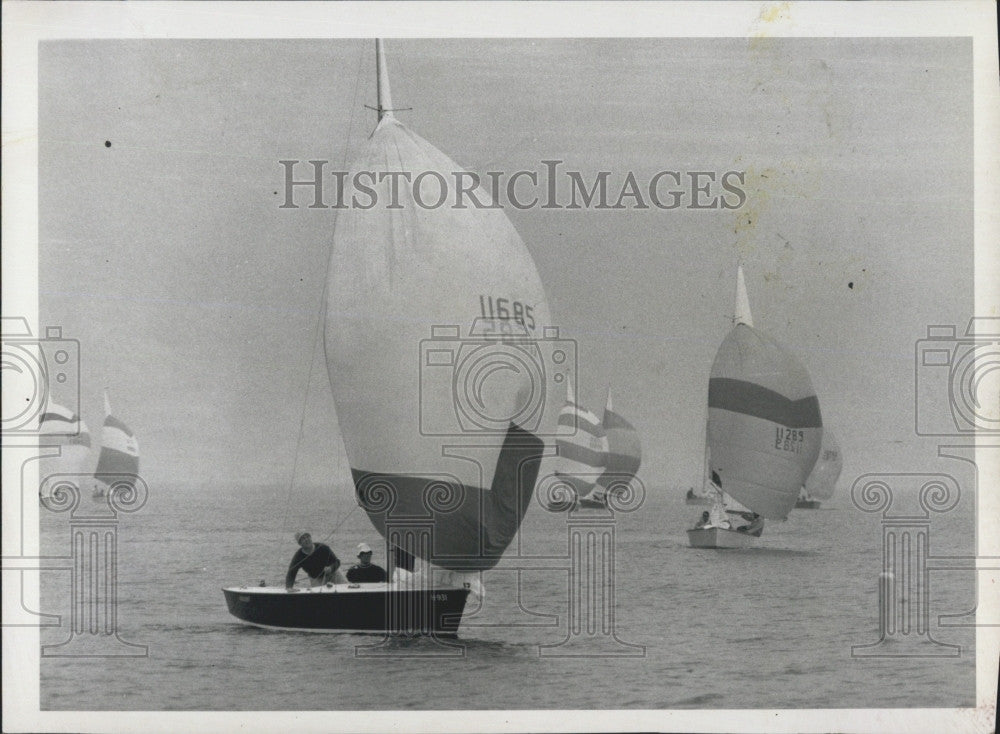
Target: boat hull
377, 608
720, 538
807, 505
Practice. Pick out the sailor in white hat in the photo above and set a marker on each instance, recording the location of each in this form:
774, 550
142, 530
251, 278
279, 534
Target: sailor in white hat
364, 571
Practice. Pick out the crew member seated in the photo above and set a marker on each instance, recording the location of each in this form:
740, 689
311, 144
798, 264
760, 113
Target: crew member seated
753, 523
364, 571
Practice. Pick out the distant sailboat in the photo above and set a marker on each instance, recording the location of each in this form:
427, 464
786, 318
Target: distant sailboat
623, 460
60, 426
822, 480
596, 457
582, 446
119, 457
435, 318
764, 432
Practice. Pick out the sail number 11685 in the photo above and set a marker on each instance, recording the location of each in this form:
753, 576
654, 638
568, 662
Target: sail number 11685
506, 309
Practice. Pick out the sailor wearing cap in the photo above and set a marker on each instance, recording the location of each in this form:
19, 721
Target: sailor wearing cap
316, 559
364, 571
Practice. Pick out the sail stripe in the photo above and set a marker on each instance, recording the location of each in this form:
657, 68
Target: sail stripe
112, 422
747, 398
63, 426
612, 420
113, 462
59, 418
472, 527
573, 416
623, 464
581, 454
624, 450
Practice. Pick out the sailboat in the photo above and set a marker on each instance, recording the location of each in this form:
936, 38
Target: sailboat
822, 480
764, 432
60, 426
623, 460
582, 446
119, 457
440, 352
597, 457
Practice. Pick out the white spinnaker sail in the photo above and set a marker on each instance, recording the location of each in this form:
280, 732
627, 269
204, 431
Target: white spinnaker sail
417, 296
822, 480
59, 426
764, 423
119, 458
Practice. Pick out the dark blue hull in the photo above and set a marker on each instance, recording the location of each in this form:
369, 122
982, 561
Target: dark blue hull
361, 608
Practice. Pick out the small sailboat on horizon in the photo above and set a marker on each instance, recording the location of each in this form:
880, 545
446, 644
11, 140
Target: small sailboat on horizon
763, 437
582, 454
623, 459
597, 457
822, 480
59, 426
119, 457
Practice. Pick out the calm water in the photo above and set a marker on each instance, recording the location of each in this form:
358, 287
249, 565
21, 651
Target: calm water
767, 628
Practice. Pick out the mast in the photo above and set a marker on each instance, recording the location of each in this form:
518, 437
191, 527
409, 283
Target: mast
384, 108
704, 458
107, 403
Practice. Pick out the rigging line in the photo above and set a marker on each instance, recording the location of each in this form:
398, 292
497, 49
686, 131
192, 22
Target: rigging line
342, 521
319, 317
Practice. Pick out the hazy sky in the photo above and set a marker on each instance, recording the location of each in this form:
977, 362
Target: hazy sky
196, 299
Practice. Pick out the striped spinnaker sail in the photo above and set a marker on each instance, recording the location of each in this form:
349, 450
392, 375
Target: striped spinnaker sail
764, 423
822, 480
582, 444
119, 458
624, 452
60, 426
440, 419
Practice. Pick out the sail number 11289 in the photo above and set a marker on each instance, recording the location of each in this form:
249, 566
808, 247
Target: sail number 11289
789, 439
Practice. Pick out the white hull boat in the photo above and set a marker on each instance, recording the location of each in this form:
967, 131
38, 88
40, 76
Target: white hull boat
721, 538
